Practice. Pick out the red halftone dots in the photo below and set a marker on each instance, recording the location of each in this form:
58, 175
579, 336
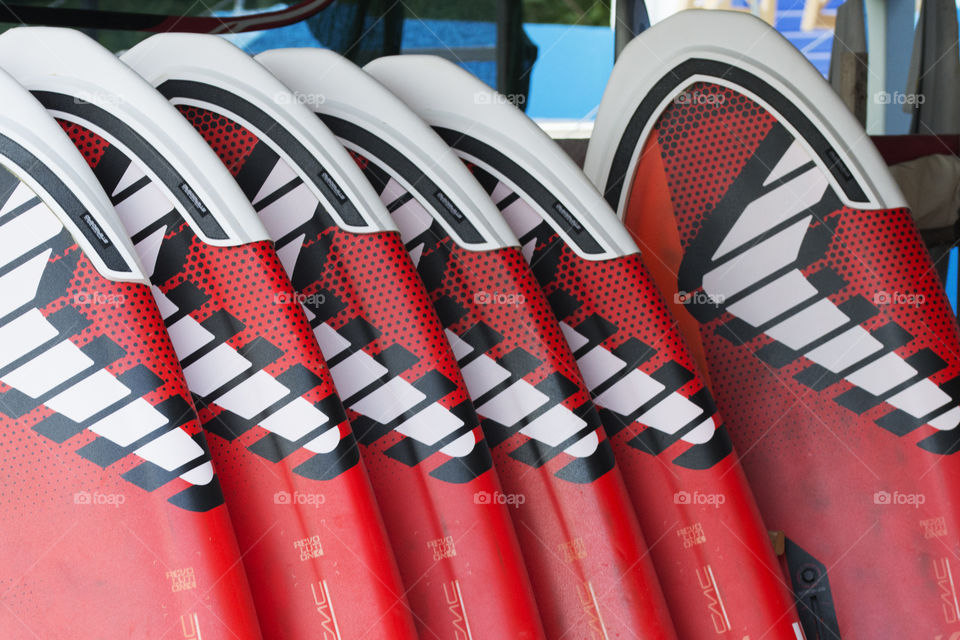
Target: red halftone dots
367, 271
704, 142
90, 144
798, 443
125, 313
246, 281
497, 289
232, 142
371, 275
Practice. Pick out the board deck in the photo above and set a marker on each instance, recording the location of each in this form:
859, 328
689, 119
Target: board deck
311, 536
398, 376
714, 558
828, 342
587, 559
104, 467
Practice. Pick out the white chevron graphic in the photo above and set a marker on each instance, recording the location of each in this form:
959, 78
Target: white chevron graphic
519, 216
63, 360
391, 398
514, 404
817, 315
223, 364
20, 196
633, 389
251, 397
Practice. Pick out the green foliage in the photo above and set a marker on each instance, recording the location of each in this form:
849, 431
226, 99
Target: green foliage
477, 10
591, 12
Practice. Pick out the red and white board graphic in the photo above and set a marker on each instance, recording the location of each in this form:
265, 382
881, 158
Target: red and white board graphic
712, 552
770, 220
584, 550
105, 471
395, 371
313, 543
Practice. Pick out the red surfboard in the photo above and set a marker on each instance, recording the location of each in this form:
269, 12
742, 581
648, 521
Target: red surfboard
312, 540
713, 553
587, 559
430, 466
114, 519
828, 340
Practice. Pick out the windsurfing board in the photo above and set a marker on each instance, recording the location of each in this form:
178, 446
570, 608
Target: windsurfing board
587, 559
398, 377
773, 226
714, 557
308, 526
105, 470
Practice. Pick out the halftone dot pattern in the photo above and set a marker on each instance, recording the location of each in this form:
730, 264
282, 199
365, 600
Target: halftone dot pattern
640, 314
90, 144
140, 332
157, 519
424, 495
705, 141
372, 277
35, 466
644, 317
809, 456
703, 148
900, 266
360, 272
522, 316
126, 314
490, 296
50, 484
44, 483
247, 281
361, 161
232, 142
158, 345
374, 272
527, 322
708, 130
691, 134
620, 291
266, 473
732, 539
